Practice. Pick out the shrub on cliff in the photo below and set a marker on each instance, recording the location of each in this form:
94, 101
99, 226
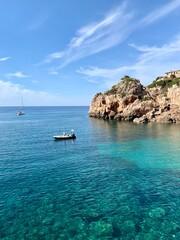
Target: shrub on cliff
113, 90
124, 86
127, 80
165, 84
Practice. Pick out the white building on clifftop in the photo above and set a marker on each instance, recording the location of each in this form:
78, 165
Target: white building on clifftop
176, 73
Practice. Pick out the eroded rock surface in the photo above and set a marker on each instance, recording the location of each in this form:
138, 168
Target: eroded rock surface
129, 100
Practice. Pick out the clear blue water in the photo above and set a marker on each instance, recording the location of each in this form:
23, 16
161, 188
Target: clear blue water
115, 181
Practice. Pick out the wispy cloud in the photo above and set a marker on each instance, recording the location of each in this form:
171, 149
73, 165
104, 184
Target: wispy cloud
38, 21
4, 58
92, 81
103, 75
51, 57
151, 62
167, 50
17, 75
161, 12
112, 30
94, 38
10, 96
34, 81
53, 72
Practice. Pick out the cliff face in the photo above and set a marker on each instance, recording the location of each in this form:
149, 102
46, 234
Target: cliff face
129, 100
174, 95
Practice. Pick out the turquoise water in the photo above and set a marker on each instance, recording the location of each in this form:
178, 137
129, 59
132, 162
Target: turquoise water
115, 181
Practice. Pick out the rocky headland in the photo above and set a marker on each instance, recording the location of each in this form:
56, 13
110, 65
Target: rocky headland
129, 100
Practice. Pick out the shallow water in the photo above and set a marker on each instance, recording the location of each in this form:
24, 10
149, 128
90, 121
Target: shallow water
115, 181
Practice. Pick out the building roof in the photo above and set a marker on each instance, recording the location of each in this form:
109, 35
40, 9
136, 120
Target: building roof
173, 71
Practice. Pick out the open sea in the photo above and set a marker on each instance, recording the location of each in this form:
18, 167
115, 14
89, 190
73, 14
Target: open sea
116, 180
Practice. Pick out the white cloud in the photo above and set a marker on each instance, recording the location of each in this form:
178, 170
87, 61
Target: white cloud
152, 62
96, 37
34, 81
4, 58
155, 61
10, 96
53, 72
112, 30
51, 57
92, 81
38, 21
161, 12
91, 39
17, 75
108, 76
101, 72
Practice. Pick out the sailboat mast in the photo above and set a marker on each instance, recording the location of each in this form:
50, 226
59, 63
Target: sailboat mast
21, 112
22, 103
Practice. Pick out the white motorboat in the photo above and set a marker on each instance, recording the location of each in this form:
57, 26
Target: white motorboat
65, 136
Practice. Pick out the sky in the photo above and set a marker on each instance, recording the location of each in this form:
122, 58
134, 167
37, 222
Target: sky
62, 52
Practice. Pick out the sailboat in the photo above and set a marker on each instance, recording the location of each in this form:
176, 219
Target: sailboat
21, 112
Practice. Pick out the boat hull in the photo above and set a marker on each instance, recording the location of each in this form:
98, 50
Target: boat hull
61, 137
20, 113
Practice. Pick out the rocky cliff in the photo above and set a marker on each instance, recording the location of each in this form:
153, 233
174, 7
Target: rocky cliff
129, 100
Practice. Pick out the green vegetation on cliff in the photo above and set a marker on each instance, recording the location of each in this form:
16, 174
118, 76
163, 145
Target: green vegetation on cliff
113, 90
116, 89
165, 84
127, 80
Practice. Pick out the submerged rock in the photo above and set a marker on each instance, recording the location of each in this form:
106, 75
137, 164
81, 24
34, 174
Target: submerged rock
100, 229
157, 213
128, 227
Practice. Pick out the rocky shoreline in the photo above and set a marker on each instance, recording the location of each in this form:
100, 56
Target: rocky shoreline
129, 100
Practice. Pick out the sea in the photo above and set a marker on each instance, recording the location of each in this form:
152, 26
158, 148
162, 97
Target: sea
116, 180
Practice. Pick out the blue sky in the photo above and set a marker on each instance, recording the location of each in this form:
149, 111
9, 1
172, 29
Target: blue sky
63, 52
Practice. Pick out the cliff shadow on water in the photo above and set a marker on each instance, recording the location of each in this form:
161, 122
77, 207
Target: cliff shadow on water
152, 145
